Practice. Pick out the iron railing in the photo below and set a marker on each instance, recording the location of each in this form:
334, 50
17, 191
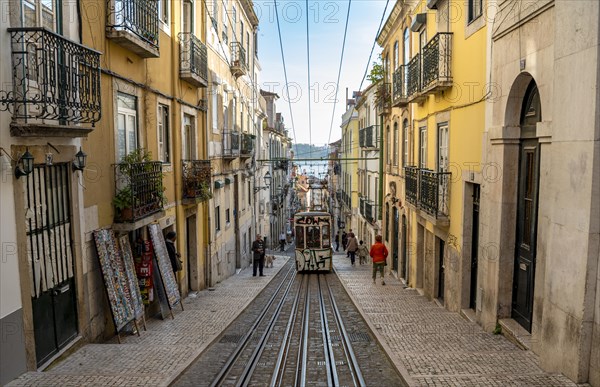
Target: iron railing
414, 76
140, 17
247, 148
433, 192
361, 137
400, 86
239, 64
231, 144
193, 59
54, 79
384, 97
437, 55
196, 179
371, 136
369, 211
361, 206
411, 189
139, 190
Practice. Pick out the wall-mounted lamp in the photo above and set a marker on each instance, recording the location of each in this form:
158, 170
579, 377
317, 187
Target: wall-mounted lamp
80, 161
24, 164
267, 180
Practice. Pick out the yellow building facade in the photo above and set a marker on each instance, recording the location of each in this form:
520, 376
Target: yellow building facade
439, 73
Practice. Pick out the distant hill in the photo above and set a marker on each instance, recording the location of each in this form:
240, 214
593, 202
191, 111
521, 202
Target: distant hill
305, 151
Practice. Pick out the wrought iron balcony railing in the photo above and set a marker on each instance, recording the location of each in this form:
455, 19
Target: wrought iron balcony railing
371, 136
193, 66
384, 98
239, 64
134, 25
247, 148
400, 86
414, 78
196, 180
231, 144
361, 137
361, 206
369, 211
56, 85
139, 191
281, 164
411, 178
437, 55
433, 192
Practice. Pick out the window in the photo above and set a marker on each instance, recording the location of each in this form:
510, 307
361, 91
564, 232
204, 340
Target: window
234, 113
313, 237
245, 248
299, 237
164, 143
126, 124
41, 13
163, 11
388, 145
188, 16
423, 147
443, 147
227, 217
242, 33
224, 21
249, 196
475, 8
395, 144
234, 37
218, 218
215, 14
189, 137
215, 121
387, 222
396, 62
405, 139
248, 48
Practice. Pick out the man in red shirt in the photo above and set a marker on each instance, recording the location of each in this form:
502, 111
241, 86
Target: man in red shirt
379, 254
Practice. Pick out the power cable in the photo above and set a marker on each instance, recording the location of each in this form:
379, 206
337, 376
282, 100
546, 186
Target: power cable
308, 73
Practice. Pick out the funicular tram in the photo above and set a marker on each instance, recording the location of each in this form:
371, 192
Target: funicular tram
313, 241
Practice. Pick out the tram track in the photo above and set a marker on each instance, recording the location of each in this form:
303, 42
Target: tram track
299, 337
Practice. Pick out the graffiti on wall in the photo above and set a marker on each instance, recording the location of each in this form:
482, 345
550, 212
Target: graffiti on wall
313, 259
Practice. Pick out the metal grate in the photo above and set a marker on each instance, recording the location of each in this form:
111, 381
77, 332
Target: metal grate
233, 339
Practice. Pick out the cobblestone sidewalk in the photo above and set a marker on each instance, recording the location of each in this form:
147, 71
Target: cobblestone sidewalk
169, 346
432, 346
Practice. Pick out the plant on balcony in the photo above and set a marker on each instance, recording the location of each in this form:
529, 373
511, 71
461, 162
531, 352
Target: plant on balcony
123, 202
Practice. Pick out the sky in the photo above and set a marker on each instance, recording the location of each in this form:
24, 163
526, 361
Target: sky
326, 25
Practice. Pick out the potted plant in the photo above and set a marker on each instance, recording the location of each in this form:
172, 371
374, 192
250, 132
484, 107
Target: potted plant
123, 202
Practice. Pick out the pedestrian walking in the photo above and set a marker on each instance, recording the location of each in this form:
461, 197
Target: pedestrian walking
344, 240
352, 247
350, 235
174, 256
379, 255
337, 241
363, 253
258, 250
282, 241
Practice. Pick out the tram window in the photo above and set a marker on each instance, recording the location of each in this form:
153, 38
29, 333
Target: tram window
300, 237
313, 237
326, 236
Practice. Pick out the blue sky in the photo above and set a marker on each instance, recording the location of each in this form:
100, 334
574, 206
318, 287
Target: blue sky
326, 31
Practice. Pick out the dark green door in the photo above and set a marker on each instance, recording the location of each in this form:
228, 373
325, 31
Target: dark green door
50, 258
527, 211
395, 240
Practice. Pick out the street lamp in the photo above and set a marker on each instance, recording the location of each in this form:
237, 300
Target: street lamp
267, 180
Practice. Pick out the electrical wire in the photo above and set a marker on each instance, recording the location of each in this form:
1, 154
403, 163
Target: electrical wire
337, 83
308, 73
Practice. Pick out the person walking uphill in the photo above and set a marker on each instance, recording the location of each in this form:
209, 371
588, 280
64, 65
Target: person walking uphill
258, 250
363, 252
352, 247
379, 255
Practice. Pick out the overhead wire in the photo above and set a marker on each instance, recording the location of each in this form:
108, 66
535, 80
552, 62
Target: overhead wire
308, 73
337, 83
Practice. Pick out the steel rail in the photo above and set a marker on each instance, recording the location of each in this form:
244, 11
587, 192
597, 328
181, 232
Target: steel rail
303, 354
244, 341
351, 357
276, 379
332, 374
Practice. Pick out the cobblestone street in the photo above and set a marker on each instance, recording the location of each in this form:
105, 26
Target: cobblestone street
430, 345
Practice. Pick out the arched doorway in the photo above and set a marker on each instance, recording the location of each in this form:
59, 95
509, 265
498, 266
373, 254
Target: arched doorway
527, 209
404, 269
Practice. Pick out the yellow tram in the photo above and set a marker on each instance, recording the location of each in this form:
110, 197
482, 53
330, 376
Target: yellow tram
313, 241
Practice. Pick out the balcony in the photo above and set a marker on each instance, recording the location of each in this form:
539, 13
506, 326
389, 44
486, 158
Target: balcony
437, 55
383, 98
369, 211
434, 192
400, 86
193, 60
231, 144
55, 88
414, 80
196, 181
367, 137
134, 25
281, 164
139, 191
247, 149
239, 65
411, 178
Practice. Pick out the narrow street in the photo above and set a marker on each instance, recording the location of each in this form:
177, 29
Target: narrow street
428, 345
